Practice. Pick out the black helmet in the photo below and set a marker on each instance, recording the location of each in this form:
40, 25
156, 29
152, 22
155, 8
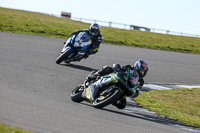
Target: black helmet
142, 67
94, 29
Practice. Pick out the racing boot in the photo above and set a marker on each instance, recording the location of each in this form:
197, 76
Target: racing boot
85, 56
120, 104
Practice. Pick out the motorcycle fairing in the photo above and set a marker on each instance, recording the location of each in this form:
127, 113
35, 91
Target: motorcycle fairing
73, 38
82, 39
82, 49
91, 91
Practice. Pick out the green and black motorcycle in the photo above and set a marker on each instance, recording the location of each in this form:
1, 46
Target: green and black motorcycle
106, 90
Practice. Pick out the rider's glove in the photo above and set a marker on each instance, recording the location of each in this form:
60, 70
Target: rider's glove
136, 90
92, 77
133, 90
135, 94
74, 33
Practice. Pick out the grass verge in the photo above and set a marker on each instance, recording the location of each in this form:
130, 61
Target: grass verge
24, 22
182, 105
7, 129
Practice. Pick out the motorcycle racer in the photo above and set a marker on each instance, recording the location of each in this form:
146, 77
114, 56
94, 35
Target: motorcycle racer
132, 78
94, 32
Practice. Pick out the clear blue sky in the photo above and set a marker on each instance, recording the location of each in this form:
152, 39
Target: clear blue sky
174, 15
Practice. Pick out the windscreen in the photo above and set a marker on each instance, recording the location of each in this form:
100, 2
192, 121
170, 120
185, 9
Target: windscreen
85, 37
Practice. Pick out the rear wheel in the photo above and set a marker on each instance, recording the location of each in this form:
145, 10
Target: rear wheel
63, 56
105, 99
76, 94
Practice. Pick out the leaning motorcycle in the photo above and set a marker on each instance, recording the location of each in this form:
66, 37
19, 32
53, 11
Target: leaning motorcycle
104, 96
74, 48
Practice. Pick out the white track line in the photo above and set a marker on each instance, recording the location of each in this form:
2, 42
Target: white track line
188, 86
162, 87
155, 87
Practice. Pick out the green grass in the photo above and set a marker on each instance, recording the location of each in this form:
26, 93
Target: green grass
7, 129
24, 22
182, 105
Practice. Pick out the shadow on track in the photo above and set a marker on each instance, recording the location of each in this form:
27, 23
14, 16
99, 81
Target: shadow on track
79, 67
164, 121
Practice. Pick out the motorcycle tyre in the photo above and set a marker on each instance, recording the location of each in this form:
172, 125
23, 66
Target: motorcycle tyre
76, 95
111, 99
63, 56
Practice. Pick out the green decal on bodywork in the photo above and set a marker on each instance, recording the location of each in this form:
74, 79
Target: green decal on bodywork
120, 90
127, 77
109, 81
115, 78
95, 49
115, 75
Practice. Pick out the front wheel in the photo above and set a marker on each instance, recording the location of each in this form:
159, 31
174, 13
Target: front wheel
104, 100
76, 94
63, 56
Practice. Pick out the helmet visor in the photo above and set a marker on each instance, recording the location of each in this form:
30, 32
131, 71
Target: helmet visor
93, 30
142, 72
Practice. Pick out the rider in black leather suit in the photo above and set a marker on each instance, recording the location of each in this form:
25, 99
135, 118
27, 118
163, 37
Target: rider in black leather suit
140, 68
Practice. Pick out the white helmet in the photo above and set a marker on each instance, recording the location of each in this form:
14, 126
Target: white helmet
142, 67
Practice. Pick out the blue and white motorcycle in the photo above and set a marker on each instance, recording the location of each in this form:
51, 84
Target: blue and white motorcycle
75, 48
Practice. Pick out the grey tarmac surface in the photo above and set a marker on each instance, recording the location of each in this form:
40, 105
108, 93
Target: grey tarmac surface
35, 91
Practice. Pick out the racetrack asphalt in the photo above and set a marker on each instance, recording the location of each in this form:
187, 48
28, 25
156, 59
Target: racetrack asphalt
35, 91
